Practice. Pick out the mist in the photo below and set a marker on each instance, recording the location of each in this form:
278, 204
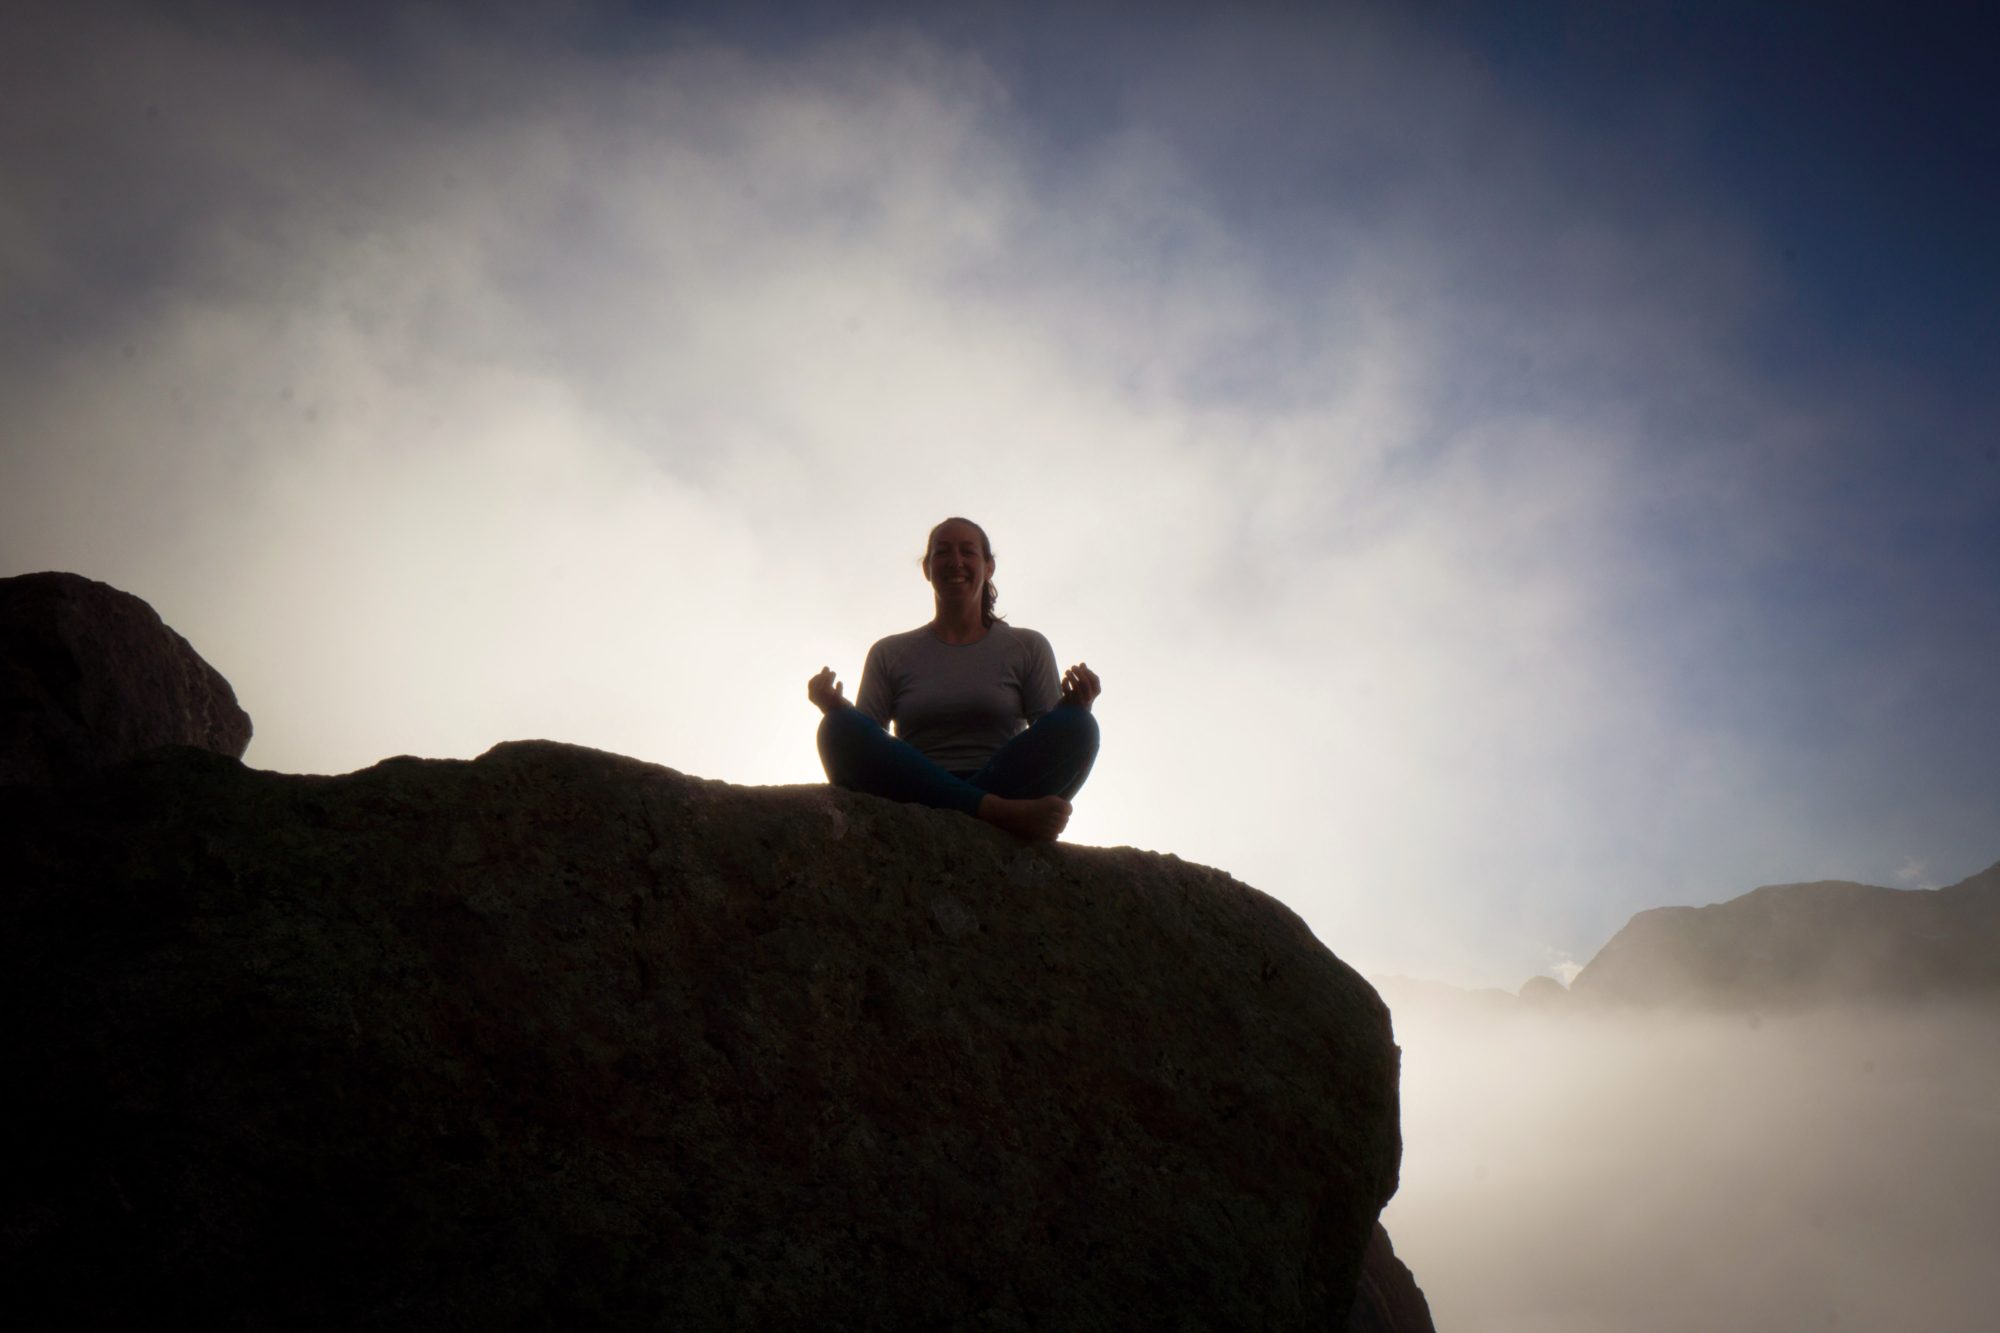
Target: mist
1587, 1172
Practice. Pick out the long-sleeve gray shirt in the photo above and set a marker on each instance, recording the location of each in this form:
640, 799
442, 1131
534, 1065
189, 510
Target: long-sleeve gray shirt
958, 703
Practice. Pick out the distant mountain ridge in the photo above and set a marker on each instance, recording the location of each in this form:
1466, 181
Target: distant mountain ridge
1790, 945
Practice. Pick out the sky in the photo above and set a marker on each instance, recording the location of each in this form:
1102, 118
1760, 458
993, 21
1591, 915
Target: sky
1511, 466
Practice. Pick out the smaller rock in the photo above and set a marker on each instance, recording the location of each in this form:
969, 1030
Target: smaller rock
90, 676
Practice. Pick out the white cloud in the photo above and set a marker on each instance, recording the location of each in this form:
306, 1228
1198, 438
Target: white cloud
1562, 966
606, 398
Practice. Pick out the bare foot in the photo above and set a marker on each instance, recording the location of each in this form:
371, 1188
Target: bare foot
1038, 820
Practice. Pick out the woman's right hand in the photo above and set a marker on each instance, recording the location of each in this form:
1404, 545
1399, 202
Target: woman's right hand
1080, 686
824, 691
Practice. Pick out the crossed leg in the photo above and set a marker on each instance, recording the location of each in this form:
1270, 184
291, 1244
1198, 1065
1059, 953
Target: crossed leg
1024, 788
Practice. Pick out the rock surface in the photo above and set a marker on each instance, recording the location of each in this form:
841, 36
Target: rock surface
1388, 1299
90, 675
1792, 945
555, 1038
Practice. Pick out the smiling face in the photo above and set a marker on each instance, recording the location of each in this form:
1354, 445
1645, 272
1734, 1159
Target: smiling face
958, 563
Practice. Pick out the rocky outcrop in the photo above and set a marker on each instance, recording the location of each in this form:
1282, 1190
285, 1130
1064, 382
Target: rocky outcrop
554, 1038
1792, 945
89, 676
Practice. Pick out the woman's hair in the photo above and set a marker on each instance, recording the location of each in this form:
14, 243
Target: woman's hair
988, 594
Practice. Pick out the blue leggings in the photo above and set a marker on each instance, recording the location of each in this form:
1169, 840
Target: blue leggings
1051, 758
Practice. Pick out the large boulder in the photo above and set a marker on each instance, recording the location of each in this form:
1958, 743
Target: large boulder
1797, 945
554, 1038
89, 676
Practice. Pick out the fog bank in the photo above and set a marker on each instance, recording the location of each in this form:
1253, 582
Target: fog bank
1566, 1173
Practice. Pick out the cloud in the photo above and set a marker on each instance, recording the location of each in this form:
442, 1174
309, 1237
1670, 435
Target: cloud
510, 387
1562, 966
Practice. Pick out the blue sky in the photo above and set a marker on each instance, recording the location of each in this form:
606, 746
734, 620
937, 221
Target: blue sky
1512, 467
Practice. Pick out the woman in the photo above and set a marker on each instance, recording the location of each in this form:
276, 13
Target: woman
982, 724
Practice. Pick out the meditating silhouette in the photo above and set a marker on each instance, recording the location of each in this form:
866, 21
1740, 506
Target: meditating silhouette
982, 724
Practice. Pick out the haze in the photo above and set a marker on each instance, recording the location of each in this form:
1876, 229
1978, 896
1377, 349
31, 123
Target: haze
1590, 1173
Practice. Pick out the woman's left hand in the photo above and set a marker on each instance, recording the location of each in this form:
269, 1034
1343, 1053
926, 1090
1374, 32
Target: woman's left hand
1080, 685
